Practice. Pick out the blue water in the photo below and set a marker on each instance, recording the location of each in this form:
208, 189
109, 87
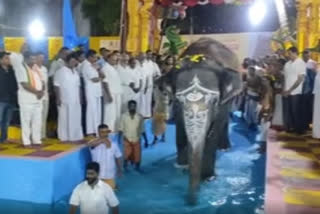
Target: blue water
161, 189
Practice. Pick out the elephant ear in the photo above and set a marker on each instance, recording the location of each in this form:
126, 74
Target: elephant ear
230, 85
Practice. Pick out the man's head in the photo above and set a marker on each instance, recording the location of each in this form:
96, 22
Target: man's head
246, 63
132, 106
113, 59
80, 56
149, 55
24, 48
92, 172
71, 60
64, 52
4, 59
125, 58
306, 55
105, 54
81, 47
293, 53
170, 60
91, 56
40, 57
132, 63
102, 50
29, 58
104, 130
142, 57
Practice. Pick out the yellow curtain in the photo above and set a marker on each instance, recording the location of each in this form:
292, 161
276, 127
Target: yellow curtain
13, 44
133, 26
54, 45
145, 17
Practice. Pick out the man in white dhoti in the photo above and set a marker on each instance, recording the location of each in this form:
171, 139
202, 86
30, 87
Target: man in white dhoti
112, 94
45, 101
316, 109
150, 72
93, 91
30, 95
128, 81
67, 88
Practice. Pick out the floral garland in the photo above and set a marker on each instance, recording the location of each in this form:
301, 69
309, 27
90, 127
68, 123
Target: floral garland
192, 3
197, 58
180, 6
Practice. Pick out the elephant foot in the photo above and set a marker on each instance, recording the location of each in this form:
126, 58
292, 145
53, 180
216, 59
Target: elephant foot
192, 199
179, 166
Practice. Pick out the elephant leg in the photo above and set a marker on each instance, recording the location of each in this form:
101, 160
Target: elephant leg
222, 129
182, 144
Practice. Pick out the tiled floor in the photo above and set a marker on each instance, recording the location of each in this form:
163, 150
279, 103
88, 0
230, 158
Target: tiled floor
293, 174
49, 148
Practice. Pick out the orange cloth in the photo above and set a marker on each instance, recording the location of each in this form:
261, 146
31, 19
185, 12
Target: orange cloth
132, 151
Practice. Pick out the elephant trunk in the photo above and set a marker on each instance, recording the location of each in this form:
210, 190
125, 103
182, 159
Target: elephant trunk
195, 166
196, 125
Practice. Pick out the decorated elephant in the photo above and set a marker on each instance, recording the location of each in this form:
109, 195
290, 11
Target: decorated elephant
202, 86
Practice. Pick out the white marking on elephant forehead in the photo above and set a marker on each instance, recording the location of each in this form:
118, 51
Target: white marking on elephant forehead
196, 85
194, 96
196, 125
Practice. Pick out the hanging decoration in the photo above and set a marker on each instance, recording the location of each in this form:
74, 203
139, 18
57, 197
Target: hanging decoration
192, 3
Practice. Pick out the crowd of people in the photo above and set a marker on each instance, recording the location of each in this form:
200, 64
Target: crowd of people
90, 95
281, 91
94, 94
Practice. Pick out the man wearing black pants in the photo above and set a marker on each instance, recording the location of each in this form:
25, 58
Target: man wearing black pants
294, 73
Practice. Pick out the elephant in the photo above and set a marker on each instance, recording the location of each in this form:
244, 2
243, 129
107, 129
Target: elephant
202, 88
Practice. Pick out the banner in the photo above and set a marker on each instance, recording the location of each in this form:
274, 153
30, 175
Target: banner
111, 43
13, 44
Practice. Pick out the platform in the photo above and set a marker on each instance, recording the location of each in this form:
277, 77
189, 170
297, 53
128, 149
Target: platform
293, 174
43, 175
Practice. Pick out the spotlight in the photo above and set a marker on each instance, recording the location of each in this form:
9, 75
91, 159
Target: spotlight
257, 12
36, 29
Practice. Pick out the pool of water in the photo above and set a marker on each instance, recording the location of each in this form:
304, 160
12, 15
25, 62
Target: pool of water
161, 189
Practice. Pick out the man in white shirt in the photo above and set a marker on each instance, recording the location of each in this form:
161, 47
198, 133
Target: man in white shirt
128, 80
30, 96
105, 151
93, 91
45, 101
59, 62
308, 86
16, 59
104, 54
93, 196
150, 71
112, 94
294, 73
67, 88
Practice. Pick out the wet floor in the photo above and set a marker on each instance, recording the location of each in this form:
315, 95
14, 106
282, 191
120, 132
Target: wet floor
161, 189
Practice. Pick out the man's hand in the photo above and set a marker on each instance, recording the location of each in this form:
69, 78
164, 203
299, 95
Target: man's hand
39, 94
101, 75
58, 102
109, 99
286, 93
